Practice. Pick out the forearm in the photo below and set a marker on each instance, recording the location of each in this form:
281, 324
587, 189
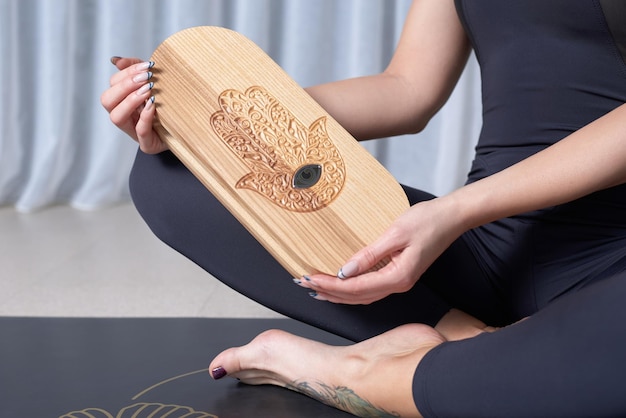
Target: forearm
375, 106
428, 61
591, 159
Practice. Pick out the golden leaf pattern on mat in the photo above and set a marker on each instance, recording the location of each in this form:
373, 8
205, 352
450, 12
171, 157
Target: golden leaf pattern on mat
142, 410
294, 166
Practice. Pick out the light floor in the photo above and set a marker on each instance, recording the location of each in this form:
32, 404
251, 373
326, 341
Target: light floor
63, 262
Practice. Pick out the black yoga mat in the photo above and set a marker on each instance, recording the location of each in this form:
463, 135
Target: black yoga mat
152, 367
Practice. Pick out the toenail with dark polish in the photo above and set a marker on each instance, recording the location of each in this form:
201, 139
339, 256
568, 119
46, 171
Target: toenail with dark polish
218, 373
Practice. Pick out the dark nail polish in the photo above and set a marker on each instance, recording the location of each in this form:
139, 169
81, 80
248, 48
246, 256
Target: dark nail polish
307, 278
115, 59
150, 64
218, 373
313, 294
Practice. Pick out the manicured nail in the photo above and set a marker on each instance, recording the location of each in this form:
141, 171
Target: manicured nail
145, 88
348, 270
316, 296
149, 104
146, 65
297, 281
218, 373
308, 279
115, 59
142, 77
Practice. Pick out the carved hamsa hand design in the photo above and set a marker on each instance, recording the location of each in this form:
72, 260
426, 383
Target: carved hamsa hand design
295, 167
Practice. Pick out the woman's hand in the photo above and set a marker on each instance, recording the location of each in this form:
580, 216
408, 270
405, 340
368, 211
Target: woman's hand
130, 103
411, 243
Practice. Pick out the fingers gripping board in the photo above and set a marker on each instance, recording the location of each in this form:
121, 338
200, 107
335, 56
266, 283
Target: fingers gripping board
304, 188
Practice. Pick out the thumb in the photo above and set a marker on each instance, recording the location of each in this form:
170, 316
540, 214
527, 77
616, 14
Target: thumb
123, 62
369, 257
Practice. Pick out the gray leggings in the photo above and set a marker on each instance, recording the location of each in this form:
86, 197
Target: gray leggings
566, 360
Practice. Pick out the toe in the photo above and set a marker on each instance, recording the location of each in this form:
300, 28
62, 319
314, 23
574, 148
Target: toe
223, 364
252, 362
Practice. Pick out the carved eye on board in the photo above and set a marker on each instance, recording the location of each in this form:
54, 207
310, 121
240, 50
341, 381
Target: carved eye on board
293, 165
307, 176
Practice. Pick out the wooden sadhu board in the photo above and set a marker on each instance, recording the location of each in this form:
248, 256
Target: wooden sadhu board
298, 181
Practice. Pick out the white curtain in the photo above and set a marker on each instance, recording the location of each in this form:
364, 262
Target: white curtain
57, 145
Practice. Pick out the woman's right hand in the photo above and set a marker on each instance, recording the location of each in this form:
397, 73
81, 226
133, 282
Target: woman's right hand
130, 103
411, 244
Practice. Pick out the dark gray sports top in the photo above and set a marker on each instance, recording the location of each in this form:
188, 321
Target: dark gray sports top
549, 67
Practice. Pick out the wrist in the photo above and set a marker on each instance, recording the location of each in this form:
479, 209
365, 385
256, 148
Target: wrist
469, 207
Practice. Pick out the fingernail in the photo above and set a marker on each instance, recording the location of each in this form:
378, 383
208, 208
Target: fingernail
145, 88
308, 279
218, 373
149, 104
115, 59
348, 270
316, 296
142, 77
297, 281
144, 65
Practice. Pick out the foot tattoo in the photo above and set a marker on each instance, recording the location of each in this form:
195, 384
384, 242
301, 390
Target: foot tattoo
341, 397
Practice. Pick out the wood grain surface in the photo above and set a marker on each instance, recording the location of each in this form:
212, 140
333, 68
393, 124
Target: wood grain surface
298, 181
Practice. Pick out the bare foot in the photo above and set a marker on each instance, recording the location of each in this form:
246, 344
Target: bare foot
371, 378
